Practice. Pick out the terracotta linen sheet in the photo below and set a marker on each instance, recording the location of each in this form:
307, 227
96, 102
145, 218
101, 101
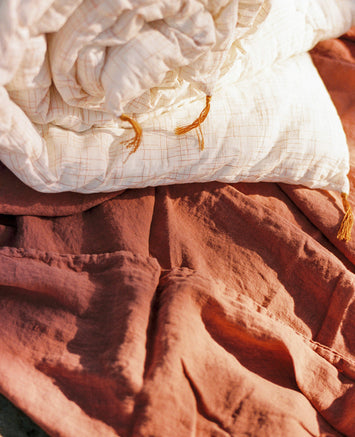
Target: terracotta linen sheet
188, 310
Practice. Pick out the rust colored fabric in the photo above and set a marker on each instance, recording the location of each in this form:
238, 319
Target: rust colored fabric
189, 310
335, 60
18, 199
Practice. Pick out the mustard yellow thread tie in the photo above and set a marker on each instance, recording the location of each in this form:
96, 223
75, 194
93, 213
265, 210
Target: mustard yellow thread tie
135, 141
346, 225
180, 130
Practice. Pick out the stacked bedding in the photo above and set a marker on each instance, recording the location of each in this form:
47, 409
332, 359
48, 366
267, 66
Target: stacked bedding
206, 309
197, 309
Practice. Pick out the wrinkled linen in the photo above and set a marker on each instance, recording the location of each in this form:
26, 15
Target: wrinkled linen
335, 61
70, 68
201, 309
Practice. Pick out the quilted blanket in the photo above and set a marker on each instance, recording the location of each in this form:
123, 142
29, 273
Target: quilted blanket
80, 80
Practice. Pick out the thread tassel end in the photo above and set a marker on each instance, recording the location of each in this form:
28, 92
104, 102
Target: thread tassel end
134, 142
181, 130
347, 223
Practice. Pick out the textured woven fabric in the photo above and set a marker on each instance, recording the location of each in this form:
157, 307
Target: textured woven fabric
61, 94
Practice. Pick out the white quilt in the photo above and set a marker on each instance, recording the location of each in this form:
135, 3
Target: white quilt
70, 68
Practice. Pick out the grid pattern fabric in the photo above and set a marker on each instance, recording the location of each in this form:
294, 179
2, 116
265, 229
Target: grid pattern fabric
70, 68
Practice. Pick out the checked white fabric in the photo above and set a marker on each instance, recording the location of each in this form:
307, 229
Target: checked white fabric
70, 68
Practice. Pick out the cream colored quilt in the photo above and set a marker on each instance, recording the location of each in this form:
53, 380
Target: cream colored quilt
70, 69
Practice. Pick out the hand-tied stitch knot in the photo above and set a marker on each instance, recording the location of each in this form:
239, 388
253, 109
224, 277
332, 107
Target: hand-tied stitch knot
197, 124
134, 143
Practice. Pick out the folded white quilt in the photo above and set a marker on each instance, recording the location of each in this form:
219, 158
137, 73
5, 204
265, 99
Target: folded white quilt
70, 68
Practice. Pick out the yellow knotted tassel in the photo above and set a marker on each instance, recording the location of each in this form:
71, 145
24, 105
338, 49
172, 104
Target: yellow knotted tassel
197, 124
133, 142
346, 225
